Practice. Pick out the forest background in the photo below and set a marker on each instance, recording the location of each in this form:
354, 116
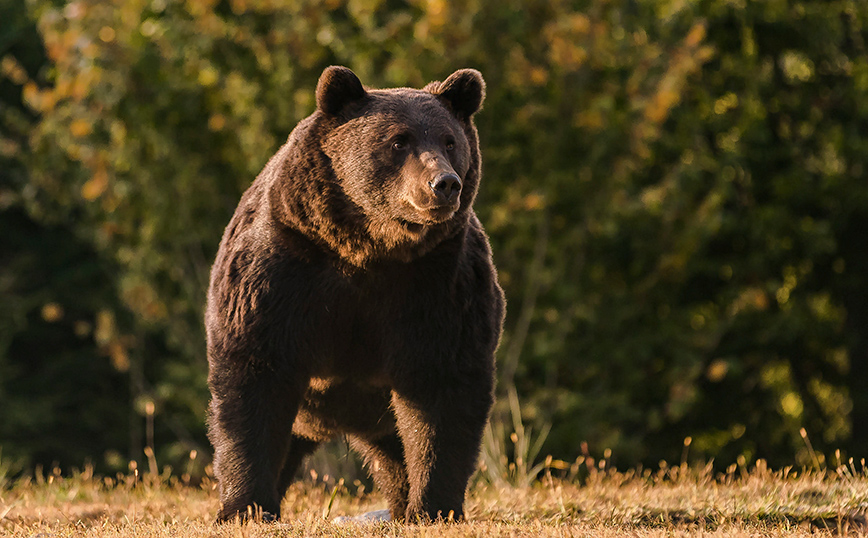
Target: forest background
675, 193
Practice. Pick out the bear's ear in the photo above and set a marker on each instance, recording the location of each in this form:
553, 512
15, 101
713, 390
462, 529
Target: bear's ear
464, 90
337, 87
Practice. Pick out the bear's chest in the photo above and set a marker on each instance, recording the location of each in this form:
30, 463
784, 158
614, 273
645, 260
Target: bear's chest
359, 326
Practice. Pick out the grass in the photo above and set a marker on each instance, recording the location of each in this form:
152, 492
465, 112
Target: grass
665, 502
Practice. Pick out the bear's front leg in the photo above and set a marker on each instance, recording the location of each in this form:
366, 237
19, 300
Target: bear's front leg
441, 426
249, 424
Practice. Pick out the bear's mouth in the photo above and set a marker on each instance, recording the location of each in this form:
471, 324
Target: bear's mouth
433, 214
412, 227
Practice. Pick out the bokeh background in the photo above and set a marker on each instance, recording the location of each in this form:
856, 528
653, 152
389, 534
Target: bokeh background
676, 194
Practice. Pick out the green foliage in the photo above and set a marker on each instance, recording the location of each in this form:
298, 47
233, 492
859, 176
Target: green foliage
50, 368
675, 194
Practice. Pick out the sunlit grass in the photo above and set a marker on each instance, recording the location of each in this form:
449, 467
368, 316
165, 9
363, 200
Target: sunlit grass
670, 500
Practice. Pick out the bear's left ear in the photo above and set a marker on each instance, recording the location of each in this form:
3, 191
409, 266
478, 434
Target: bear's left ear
464, 90
337, 87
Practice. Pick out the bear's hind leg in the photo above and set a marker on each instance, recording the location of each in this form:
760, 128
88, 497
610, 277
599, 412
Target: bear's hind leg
384, 458
299, 448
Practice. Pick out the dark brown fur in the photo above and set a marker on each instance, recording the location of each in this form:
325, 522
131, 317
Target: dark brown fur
347, 298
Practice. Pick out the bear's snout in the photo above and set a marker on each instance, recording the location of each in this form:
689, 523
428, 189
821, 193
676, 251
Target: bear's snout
446, 187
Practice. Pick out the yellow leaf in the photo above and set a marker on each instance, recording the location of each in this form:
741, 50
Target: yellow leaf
119, 356
696, 35
80, 128
538, 76
30, 92
107, 34
579, 23
52, 312
208, 76
217, 122
10, 67
717, 370
533, 201
96, 185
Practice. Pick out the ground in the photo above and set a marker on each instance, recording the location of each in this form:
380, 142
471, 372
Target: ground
666, 502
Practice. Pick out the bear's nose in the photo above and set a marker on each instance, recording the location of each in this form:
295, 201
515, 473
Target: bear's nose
446, 186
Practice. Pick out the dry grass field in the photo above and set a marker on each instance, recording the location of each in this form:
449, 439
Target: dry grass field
666, 502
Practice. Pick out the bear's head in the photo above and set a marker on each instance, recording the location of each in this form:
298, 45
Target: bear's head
406, 160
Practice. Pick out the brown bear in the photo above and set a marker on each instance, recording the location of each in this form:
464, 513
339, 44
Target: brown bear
354, 294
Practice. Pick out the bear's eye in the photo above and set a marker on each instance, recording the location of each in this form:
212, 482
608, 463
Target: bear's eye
450, 144
399, 145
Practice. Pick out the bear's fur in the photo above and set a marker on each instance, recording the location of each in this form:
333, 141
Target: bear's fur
354, 293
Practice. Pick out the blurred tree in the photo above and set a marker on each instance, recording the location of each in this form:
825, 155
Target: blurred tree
62, 400
713, 174
53, 285
675, 193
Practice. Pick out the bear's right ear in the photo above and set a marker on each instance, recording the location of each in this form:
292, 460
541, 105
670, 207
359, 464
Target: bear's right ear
337, 87
464, 90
